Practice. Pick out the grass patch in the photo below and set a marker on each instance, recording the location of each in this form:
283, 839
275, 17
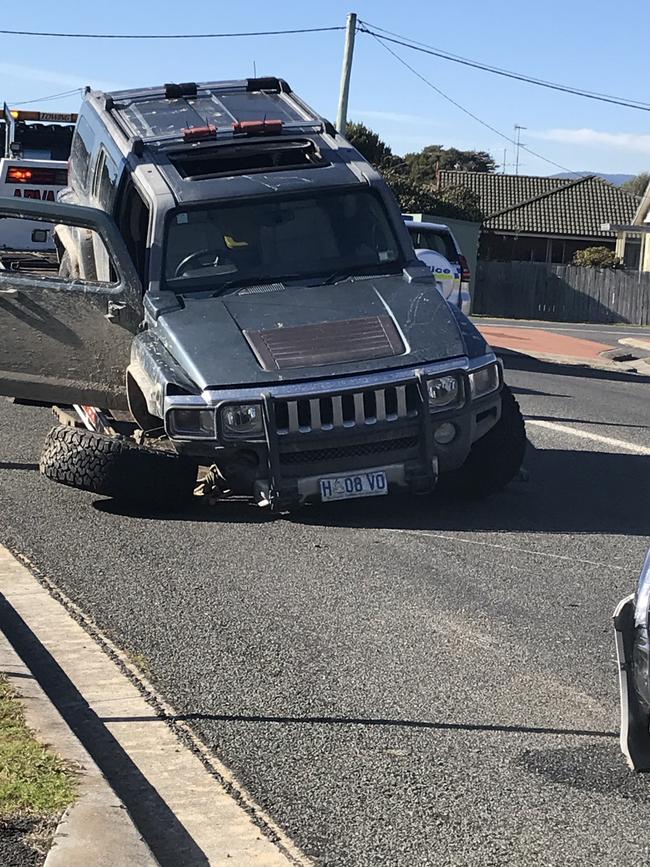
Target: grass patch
140, 661
33, 780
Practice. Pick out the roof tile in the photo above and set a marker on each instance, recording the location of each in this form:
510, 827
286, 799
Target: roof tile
547, 206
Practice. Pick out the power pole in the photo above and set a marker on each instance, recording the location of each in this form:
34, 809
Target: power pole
346, 70
518, 130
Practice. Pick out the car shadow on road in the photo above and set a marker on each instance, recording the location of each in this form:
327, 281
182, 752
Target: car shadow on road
559, 419
235, 510
368, 722
13, 465
569, 492
528, 364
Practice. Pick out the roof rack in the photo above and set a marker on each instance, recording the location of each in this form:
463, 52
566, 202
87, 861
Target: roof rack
189, 112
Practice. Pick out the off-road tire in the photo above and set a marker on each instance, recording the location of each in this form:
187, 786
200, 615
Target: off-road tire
117, 468
495, 459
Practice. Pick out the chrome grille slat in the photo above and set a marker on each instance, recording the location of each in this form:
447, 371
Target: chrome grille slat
401, 401
348, 410
380, 403
314, 413
359, 410
337, 410
292, 407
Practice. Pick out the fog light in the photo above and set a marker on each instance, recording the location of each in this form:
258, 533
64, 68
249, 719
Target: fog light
444, 433
192, 422
242, 419
443, 391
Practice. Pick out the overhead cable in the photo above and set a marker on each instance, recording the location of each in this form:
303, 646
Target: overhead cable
168, 35
467, 111
404, 41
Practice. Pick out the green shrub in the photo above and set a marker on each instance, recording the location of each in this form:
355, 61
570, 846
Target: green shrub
596, 257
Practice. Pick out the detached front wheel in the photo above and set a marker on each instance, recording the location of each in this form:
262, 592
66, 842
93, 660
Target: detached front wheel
495, 459
117, 468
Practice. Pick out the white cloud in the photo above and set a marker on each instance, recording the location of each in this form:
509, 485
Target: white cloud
626, 141
30, 74
396, 117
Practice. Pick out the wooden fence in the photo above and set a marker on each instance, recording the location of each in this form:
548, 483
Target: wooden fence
561, 293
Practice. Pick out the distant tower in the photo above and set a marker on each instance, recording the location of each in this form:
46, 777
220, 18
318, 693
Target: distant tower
518, 130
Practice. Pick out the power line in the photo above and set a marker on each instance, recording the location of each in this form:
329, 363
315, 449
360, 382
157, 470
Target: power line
18, 102
466, 110
168, 35
450, 55
406, 42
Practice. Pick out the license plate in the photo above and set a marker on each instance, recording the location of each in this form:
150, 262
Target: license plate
372, 484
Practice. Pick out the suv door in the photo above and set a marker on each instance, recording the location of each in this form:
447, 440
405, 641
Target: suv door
63, 340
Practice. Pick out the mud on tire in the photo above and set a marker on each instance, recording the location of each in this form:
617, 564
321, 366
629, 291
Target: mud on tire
117, 468
495, 459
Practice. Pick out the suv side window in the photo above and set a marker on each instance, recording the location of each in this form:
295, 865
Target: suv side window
133, 222
105, 183
439, 242
80, 151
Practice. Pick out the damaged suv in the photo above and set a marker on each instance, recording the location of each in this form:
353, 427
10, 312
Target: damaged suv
238, 291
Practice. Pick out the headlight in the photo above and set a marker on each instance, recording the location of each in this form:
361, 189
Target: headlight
484, 381
191, 422
242, 419
444, 391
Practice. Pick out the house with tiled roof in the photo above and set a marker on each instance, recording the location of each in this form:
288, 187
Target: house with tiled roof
542, 219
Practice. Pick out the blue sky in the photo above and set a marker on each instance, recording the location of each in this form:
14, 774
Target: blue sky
594, 45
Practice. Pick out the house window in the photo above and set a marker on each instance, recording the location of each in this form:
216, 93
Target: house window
632, 256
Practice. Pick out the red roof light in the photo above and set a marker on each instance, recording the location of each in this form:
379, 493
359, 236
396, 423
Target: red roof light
196, 133
257, 127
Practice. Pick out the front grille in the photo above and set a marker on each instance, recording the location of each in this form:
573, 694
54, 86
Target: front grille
347, 411
313, 456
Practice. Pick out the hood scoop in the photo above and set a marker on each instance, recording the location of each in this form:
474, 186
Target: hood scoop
326, 343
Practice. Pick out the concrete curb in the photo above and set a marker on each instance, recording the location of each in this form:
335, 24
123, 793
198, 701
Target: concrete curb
636, 343
186, 804
97, 830
639, 367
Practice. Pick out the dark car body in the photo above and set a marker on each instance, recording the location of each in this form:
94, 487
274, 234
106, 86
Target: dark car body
255, 297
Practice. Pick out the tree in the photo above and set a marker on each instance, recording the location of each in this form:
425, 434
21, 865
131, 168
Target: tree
596, 257
637, 185
424, 164
457, 202
412, 194
368, 143
464, 200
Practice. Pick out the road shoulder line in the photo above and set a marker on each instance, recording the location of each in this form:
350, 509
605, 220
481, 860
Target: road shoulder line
188, 806
584, 434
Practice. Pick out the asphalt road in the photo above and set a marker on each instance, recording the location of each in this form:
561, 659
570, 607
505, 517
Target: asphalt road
396, 682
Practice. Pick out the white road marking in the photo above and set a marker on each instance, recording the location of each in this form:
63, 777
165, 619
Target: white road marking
587, 435
509, 548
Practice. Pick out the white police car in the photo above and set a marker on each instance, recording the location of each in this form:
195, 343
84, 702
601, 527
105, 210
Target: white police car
436, 246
